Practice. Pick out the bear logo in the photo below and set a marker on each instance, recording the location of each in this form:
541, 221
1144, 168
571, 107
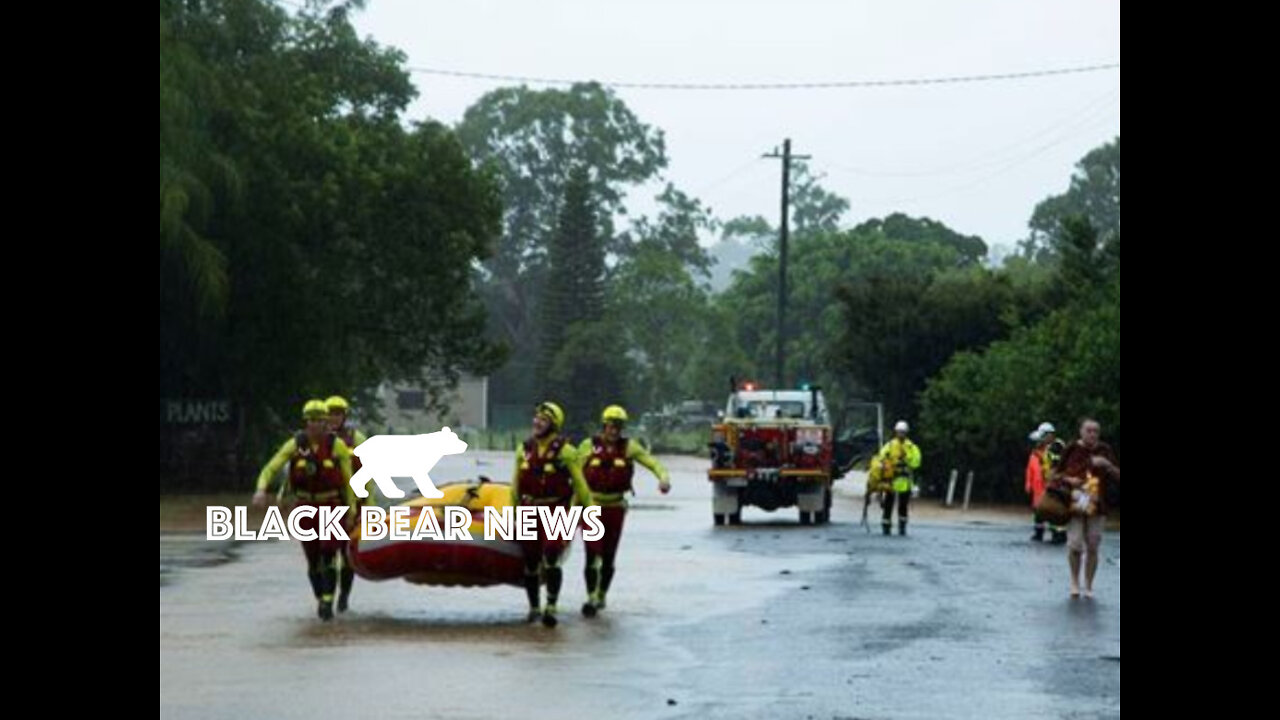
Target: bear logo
385, 456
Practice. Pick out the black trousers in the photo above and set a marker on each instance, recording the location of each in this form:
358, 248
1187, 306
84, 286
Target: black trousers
903, 500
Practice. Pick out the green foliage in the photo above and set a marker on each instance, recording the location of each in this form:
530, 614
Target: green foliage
532, 140
310, 244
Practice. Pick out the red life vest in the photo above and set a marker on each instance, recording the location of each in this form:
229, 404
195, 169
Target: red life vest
609, 470
544, 478
314, 470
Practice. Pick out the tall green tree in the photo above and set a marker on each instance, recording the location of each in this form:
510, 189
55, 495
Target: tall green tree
194, 175
1093, 194
813, 208
1063, 363
570, 372
970, 249
532, 139
661, 313
833, 338
677, 231
310, 242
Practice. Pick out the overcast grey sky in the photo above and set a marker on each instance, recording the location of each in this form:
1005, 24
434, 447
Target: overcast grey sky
977, 156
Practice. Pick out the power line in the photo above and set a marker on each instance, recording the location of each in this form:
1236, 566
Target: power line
751, 164
996, 157
1006, 167
774, 86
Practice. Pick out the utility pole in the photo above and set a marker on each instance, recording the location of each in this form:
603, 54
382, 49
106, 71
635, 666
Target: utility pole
787, 157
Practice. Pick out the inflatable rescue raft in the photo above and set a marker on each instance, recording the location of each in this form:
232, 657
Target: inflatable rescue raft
474, 562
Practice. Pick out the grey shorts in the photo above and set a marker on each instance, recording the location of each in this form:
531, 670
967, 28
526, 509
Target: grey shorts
1085, 529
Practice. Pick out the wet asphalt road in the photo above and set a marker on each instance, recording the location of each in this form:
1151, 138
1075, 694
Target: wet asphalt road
767, 620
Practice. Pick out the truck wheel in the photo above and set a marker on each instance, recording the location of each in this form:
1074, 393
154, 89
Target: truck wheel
822, 517
719, 519
735, 518
806, 517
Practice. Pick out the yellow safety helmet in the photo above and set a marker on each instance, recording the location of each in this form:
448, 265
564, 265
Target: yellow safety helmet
553, 412
315, 410
337, 403
613, 414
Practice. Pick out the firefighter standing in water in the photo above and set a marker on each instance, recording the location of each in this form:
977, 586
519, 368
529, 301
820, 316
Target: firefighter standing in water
609, 464
319, 465
900, 459
547, 473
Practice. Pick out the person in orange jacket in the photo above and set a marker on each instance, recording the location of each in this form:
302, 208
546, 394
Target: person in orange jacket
1037, 472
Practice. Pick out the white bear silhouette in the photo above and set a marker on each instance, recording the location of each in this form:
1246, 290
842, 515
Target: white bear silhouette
384, 456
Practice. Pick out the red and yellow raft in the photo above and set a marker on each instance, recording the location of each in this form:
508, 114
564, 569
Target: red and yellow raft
474, 562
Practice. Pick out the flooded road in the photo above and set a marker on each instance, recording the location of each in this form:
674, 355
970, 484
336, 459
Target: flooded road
766, 620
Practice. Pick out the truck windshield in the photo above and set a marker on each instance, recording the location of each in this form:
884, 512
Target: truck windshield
772, 409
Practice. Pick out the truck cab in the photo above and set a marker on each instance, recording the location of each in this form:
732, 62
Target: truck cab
773, 448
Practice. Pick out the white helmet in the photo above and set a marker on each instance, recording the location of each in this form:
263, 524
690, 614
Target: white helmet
1045, 428
901, 426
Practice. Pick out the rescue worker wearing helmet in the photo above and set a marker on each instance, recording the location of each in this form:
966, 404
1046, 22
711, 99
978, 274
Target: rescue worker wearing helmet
319, 465
547, 473
609, 464
339, 410
1044, 456
899, 460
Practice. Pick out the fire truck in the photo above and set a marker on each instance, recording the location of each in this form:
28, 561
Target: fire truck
778, 448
